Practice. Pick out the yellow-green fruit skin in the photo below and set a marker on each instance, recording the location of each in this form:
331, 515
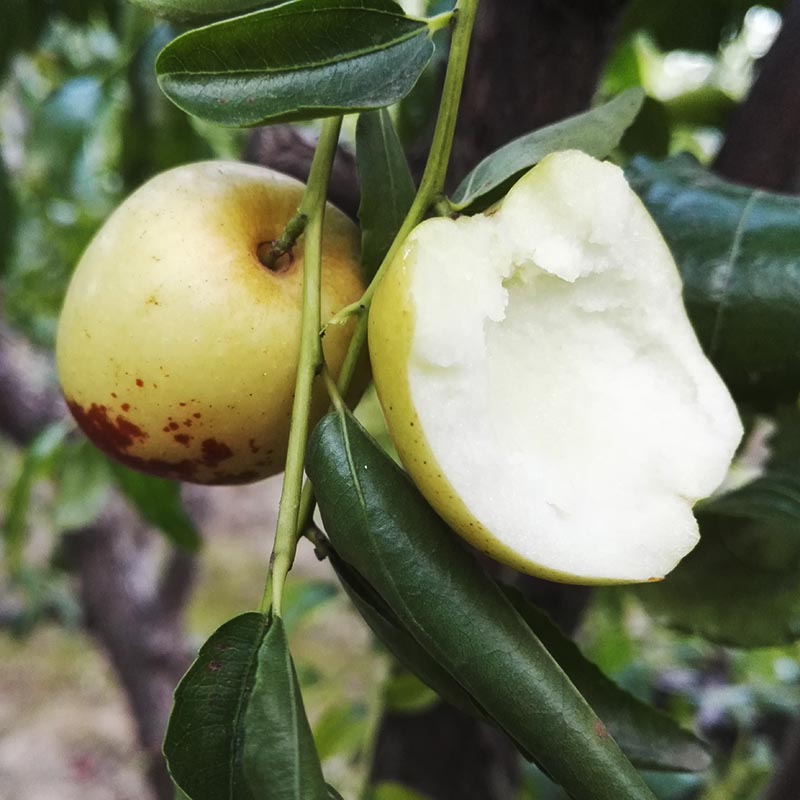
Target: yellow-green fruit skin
177, 348
391, 333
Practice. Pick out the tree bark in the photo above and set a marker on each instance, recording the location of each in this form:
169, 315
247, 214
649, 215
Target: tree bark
131, 605
762, 143
532, 62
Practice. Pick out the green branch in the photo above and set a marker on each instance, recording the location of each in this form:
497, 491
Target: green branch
310, 360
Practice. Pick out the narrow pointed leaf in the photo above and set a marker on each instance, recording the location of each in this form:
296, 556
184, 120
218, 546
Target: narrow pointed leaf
182, 10
596, 132
378, 522
36, 462
300, 60
201, 745
400, 643
650, 738
238, 730
773, 495
737, 250
83, 484
739, 587
387, 188
279, 758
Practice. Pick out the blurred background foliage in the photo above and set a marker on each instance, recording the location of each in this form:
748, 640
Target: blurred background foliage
82, 123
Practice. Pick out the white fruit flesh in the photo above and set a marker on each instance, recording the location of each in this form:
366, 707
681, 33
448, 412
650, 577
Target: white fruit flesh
558, 384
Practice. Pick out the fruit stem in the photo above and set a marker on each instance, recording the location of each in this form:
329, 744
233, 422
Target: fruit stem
291, 233
310, 360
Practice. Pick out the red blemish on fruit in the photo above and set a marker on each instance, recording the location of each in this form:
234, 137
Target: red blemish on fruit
254, 448
173, 426
215, 452
183, 470
182, 438
126, 406
139, 382
197, 415
110, 435
113, 394
187, 423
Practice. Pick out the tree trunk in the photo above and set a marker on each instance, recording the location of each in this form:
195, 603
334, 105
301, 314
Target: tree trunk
131, 605
532, 62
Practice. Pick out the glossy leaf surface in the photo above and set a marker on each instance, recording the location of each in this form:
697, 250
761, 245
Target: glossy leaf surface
596, 132
741, 586
738, 587
387, 188
650, 738
238, 729
380, 525
300, 60
737, 249
181, 10
279, 758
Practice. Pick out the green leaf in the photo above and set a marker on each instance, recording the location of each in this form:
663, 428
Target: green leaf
302, 597
280, 762
707, 106
396, 638
83, 484
333, 794
340, 730
202, 744
736, 249
772, 498
238, 730
159, 503
405, 693
182, 10
388, 790
378, 523
415, 115
300, 60
650, 132
596, 132
647, 736
650, 738
387, 188
38, 460
740, 586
